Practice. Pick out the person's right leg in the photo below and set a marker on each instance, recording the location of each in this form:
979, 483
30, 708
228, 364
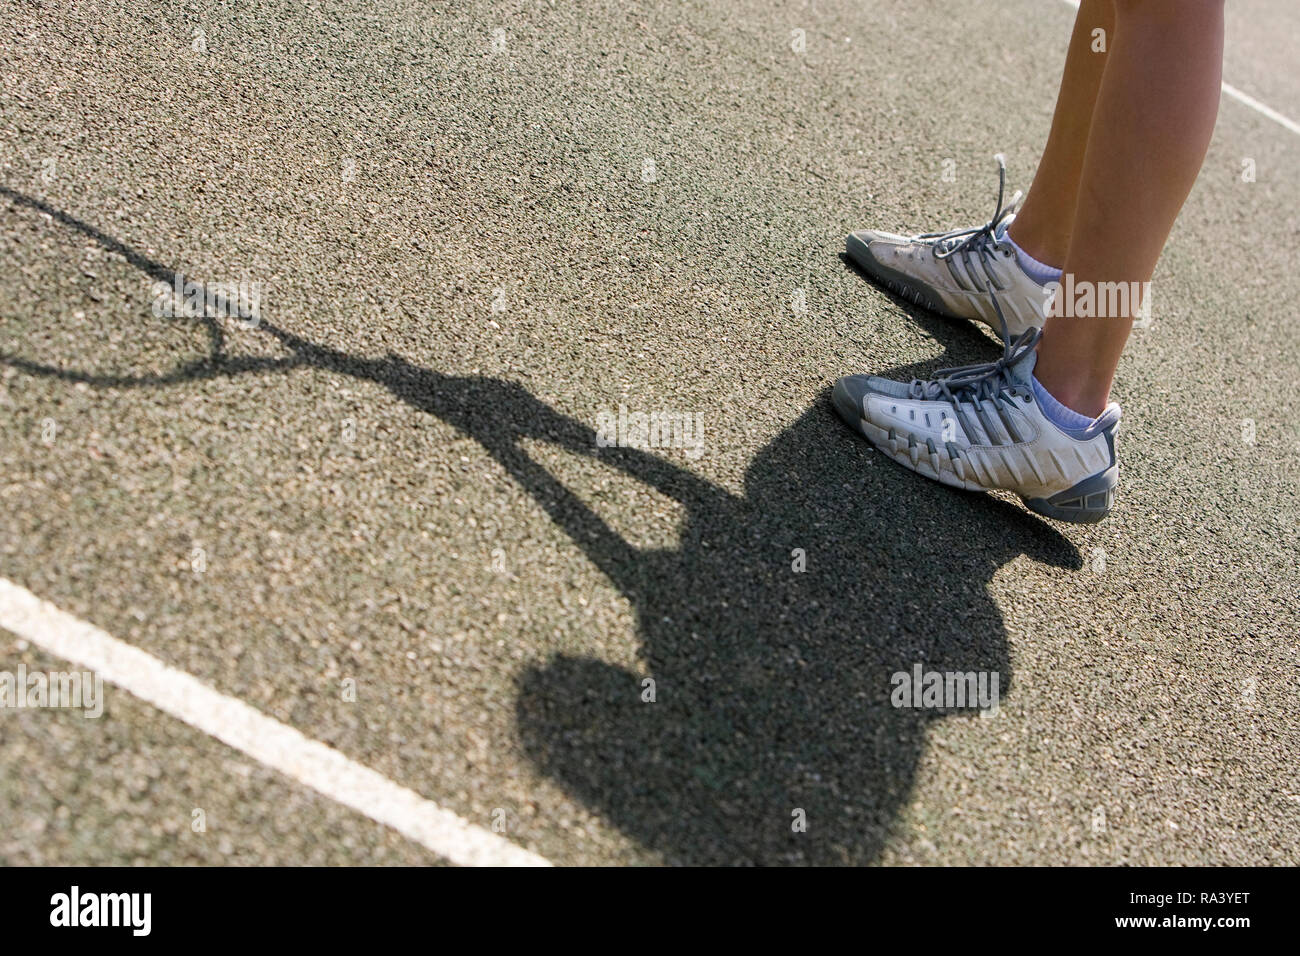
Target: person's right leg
1045, 221
1151, 128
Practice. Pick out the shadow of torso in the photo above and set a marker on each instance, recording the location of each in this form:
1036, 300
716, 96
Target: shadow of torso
772, 683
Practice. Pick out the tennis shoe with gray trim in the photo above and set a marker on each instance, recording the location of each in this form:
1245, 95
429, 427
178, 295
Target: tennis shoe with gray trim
958, 273
981, 427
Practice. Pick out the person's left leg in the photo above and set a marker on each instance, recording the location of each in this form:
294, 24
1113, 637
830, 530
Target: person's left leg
962, 284
1045, 220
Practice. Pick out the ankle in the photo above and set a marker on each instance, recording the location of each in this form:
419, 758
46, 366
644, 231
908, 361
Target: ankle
1046, 250
1039, 271
1077, 394
1058, 412
1087, 404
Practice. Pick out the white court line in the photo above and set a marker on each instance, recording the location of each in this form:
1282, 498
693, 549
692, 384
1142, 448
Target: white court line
1268, 111
263, 738
1241, 97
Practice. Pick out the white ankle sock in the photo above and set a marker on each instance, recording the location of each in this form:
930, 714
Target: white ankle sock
1057, 413
1040, 272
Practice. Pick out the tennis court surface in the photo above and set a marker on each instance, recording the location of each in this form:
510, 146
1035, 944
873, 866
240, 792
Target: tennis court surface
361, 581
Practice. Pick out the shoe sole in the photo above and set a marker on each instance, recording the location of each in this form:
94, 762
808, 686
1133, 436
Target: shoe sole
1087, 502
903, 286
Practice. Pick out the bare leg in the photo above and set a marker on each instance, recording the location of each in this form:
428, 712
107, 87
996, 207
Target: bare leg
1151, 127
1045, 222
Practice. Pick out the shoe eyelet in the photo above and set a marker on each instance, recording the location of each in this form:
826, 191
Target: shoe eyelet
1028, 399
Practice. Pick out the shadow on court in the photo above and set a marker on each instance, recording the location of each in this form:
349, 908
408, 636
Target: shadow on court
772, 686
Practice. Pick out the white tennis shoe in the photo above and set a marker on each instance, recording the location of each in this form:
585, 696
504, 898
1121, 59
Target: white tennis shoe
981, 427
959, 273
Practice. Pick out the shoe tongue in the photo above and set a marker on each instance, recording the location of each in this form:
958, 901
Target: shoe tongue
1022, 368
1000, 234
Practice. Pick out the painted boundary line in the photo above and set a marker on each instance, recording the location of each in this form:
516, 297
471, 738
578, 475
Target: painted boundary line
1241, 97
263, 738
1268, 111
